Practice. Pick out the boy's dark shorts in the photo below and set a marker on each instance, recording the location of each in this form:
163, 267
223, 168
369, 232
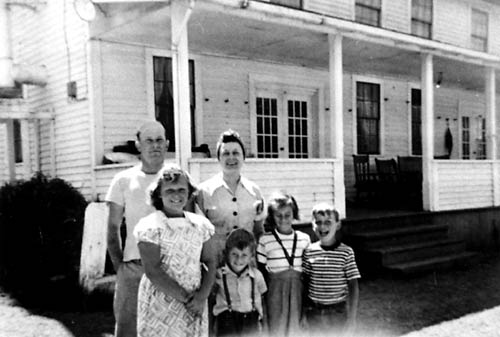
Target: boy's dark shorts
322, 318
231, 323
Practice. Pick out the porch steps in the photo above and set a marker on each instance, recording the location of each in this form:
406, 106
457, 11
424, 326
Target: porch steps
403, 245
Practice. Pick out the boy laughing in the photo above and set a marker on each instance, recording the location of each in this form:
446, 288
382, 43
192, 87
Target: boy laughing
330, 276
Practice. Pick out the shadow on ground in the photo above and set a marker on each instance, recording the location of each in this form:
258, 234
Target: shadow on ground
388, 306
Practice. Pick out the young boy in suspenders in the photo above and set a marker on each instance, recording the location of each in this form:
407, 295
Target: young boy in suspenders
238, 307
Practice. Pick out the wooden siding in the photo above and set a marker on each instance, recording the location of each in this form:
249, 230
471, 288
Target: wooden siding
396, 16
343, 9
228, 79
124, 99
54, 36
309, 181
464, 184
447, 16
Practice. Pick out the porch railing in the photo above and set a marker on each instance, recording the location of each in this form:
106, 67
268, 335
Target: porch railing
462, 184
309, 180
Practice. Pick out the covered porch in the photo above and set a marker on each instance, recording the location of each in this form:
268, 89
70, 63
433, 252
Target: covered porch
340, 54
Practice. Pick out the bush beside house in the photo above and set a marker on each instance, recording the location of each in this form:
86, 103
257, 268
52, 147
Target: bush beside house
41, 225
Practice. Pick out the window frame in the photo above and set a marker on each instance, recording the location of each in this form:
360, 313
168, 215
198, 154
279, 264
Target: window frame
372, 8
467, 130
484, 39
310, 88
371, 80
418, 20
410, 118
150, 90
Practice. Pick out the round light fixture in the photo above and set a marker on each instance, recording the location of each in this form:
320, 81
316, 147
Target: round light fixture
85, 9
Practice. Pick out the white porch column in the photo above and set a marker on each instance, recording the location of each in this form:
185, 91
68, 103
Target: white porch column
428, 183
336, 119
491, 120
180, 11
491, 124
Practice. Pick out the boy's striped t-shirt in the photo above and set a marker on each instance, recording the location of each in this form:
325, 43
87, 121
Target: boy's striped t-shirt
270, 252
329, 272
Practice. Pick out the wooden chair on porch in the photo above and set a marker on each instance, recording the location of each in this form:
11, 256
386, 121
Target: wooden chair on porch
366, 182
388, 179
410, 175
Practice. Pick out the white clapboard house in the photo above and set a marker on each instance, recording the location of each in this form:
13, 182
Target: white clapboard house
306, 83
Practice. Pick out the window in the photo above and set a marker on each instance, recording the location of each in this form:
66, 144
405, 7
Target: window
18, 142
479, 30
416, 122
465, 138
163, 95
368, 12
368, 117
267, 127
421, 18
481, 141
288, 3
283, 125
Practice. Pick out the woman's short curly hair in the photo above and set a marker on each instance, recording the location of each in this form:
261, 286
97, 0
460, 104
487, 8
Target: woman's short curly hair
230, 136
279, 200
169, 175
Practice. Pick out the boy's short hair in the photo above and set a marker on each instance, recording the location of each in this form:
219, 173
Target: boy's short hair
240, 238
278, 200
170, 173
325, 209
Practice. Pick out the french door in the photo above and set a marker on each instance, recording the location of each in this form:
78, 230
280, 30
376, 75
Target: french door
283, 124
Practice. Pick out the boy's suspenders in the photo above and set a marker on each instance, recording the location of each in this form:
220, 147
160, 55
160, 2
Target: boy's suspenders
288, 257
228, 298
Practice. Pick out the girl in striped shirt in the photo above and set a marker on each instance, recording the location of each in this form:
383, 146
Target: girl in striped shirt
279, 257
330, 277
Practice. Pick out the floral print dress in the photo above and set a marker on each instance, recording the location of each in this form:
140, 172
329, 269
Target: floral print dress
180, 241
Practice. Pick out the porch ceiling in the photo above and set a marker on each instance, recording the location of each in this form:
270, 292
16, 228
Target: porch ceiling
218, 33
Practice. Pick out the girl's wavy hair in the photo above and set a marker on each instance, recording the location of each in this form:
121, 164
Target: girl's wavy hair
279, 200
230, 136
170, 175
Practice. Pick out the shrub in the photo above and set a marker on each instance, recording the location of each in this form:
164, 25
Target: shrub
41, 226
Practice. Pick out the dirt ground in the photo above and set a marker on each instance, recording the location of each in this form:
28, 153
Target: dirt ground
388, 307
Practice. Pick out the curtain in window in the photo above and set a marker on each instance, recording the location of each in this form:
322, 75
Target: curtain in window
368, 117
164, 101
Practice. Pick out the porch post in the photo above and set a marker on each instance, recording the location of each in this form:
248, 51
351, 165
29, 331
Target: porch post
336, 119
428, 183
491, 122
180, 77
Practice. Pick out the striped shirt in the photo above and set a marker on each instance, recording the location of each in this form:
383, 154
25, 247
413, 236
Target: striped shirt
270, 252
329, 272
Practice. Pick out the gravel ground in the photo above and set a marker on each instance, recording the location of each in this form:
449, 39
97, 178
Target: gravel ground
388, 307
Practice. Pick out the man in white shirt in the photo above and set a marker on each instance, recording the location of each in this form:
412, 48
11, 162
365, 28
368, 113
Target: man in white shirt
128, 198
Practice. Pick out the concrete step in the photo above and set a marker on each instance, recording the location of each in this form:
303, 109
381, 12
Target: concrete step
396, 236
415, 251
435, 263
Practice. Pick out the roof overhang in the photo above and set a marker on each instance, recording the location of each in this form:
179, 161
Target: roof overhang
263, 31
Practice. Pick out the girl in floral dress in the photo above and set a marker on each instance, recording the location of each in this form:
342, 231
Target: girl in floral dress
173, 245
